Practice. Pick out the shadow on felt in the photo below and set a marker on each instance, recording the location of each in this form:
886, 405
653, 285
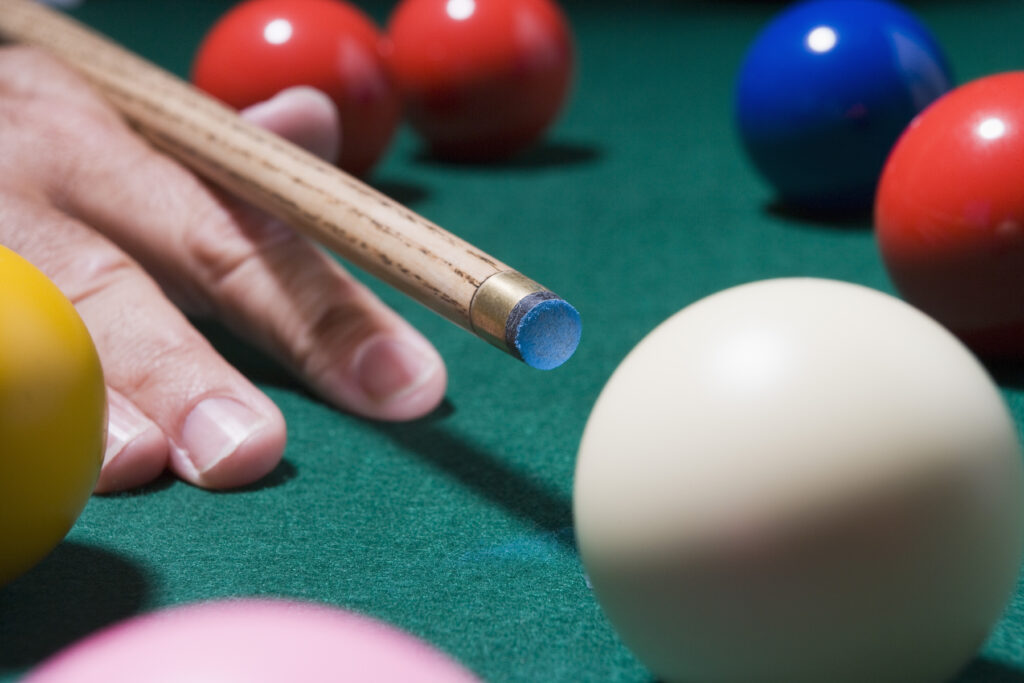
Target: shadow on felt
165, 481
1006, 372
256, 365
861, 219
483, 472
402, 192
985, 671
544, 155
978, 671
75, 591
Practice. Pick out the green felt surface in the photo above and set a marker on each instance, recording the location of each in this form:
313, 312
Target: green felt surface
458, 527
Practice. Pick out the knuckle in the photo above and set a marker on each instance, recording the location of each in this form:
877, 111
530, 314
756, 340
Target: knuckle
79, 262
248, 262
50, 120
221, 243
334, 331
30, 74
84, 274
160, 363
30, 69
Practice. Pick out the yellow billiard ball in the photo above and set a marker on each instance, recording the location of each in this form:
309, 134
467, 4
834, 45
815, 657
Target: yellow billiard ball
52, 415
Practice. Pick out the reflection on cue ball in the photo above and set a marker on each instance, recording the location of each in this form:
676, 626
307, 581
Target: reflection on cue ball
800, 480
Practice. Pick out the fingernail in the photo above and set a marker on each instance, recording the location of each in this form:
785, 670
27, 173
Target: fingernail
283, 99
387, 367
215, 429
304, 115
270, 107
124, 425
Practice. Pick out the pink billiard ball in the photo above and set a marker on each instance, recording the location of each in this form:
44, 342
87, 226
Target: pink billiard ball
251, 640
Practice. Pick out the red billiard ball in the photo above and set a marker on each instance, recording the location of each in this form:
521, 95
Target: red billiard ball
261, 47
481, 79
949, 213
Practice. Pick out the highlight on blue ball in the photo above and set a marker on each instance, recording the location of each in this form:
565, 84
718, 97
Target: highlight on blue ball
547, 334
824, 92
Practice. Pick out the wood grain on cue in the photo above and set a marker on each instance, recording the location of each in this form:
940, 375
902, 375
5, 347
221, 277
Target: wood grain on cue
363, 226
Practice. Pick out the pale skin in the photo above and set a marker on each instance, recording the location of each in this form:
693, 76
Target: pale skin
139, 244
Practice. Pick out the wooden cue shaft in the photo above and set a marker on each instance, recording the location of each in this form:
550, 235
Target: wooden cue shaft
329, 206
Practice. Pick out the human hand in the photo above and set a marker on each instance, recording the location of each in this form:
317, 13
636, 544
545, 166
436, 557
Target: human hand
136, 242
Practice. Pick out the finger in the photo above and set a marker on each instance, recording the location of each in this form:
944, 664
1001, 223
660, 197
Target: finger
309, 118
271, 286
137, 449
326, 326
303, 115
220, 431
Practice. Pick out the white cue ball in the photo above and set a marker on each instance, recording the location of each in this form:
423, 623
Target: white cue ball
800, 480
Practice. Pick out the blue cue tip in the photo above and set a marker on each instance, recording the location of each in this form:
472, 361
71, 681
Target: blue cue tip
543, 330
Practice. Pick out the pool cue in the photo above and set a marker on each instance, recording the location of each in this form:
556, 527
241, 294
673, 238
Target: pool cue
334, 209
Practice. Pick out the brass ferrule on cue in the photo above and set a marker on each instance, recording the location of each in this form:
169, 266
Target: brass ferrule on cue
493, 303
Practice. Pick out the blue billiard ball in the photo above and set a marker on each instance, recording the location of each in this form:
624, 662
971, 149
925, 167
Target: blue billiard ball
825, 90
